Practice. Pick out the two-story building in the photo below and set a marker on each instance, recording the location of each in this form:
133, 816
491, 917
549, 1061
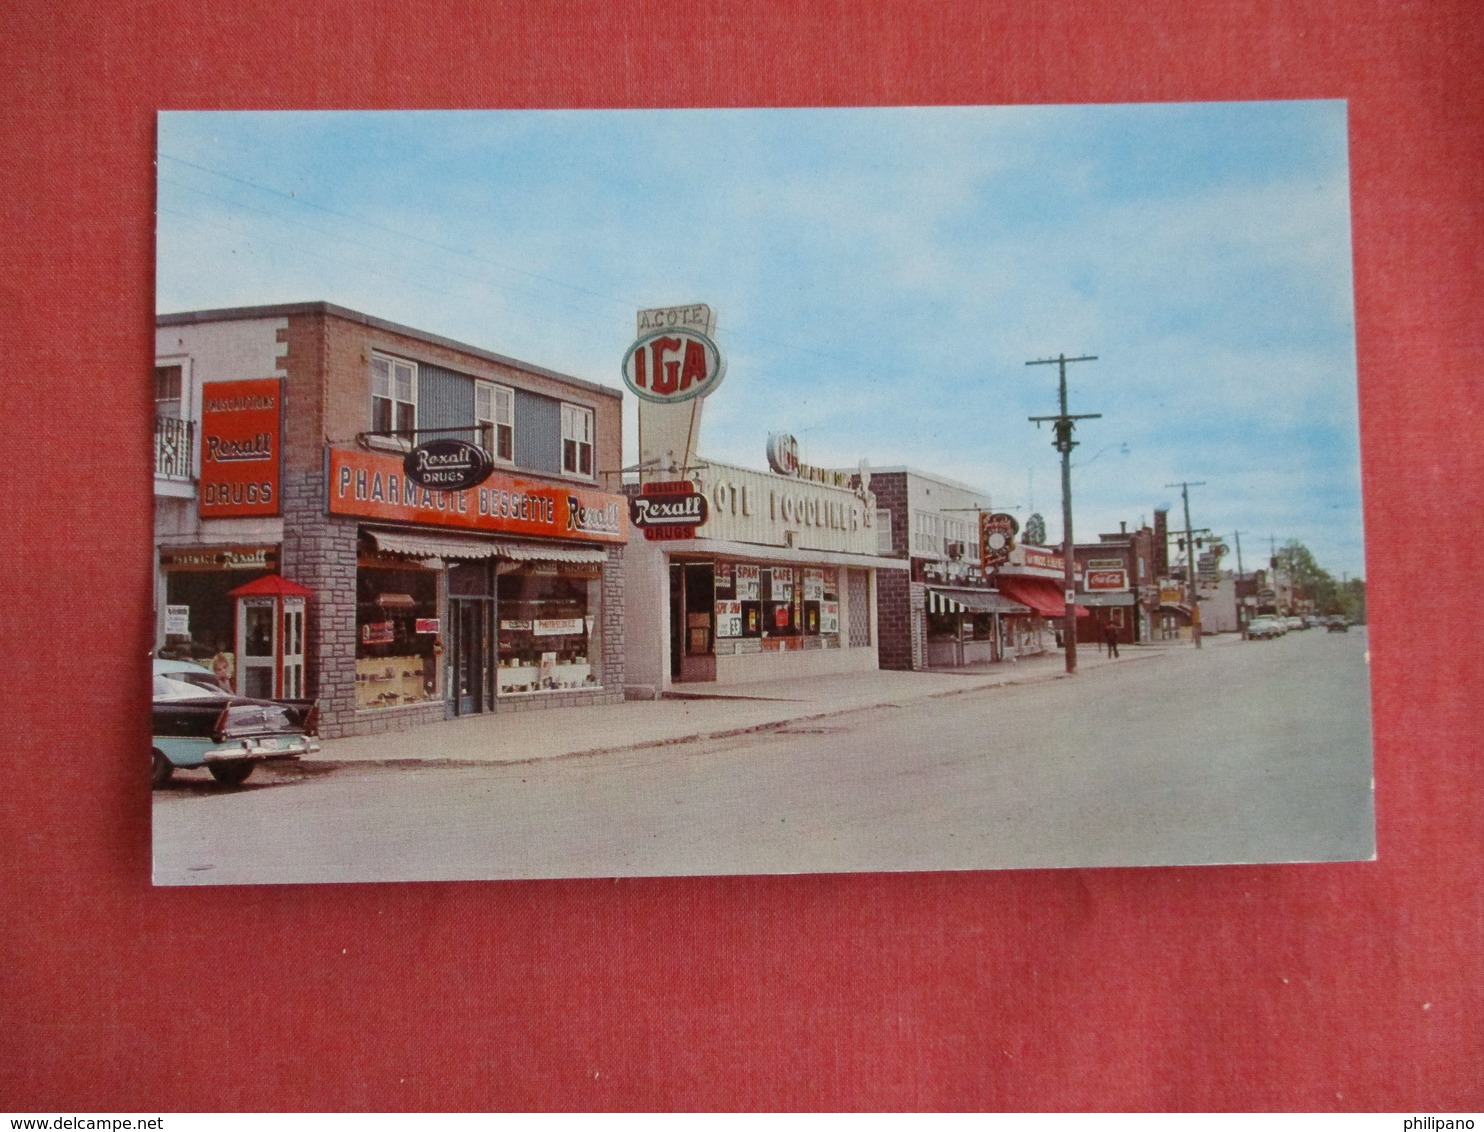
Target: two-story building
945, 611
1117, 582
296, 553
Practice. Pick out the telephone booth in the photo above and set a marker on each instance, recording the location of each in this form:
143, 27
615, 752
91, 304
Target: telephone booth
270, 639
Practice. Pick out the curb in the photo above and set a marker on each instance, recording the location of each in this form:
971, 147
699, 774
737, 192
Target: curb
455, 762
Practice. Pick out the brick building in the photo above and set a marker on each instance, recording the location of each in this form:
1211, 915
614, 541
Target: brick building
280, 438
944, 611
1118, 582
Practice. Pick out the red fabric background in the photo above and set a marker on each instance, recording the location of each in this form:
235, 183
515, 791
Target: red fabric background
1349, 986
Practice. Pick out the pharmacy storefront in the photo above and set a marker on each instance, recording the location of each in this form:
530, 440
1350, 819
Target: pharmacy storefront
778, 582
468, 601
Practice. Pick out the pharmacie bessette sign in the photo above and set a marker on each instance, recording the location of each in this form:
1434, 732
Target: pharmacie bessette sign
241, 422
373, 486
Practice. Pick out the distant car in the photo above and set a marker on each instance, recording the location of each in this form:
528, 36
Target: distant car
1265, 628
188, 672
196, 726
1339, 625
1294, 622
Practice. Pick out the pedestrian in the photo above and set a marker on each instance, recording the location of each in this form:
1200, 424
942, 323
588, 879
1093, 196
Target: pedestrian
1110, 635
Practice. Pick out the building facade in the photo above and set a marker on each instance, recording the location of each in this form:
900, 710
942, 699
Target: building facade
782, 581
280, 439
1118, 584
945, 611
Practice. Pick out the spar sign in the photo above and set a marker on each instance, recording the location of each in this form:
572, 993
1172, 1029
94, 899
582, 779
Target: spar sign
673, 364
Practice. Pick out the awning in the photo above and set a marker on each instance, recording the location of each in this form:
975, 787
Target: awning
420, 545
1041, 594
952, 600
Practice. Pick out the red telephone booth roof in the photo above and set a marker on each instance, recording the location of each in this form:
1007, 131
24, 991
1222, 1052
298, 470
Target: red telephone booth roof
273, 585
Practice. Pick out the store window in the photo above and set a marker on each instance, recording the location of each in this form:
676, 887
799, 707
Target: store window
393, 394
494, 411
396, 636
577, 440
548, 616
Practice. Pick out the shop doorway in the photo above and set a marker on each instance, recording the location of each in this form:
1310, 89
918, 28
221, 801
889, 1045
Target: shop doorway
692, 628
469, 674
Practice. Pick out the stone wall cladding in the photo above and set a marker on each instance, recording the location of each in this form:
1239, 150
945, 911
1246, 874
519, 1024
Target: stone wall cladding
898, 627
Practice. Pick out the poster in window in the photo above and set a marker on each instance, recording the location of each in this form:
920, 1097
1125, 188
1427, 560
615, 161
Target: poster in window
829, 617
749, 582
177, 620
728, 618
813, 584
783, 583
378, 633
724, 576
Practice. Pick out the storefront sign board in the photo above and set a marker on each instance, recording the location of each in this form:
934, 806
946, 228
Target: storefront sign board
770, 510
996, 538
373, 486
1106, 581
241, 426
447, 464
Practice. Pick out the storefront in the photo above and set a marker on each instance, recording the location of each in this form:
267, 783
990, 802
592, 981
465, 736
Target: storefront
455, 606
968, 625
1035, 578
197, 619
779, 582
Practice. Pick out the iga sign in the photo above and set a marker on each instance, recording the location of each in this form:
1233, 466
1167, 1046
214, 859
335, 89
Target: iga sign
668, 510
241, 423
673, 364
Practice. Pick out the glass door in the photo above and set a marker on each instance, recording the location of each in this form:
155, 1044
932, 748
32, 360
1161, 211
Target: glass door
471, 649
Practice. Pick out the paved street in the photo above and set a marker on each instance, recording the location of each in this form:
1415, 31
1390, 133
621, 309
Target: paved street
1238, 752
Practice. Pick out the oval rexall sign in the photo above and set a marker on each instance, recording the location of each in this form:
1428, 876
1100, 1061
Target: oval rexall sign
672, 365
447, 464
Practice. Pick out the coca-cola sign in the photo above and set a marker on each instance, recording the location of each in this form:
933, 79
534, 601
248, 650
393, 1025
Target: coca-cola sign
447, 464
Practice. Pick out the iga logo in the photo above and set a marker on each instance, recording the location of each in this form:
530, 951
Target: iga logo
673, 365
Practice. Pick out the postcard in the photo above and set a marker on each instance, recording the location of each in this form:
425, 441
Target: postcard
548, 494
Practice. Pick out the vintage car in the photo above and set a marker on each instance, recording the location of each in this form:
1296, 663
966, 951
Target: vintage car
1265, 628
197, 726
188, 672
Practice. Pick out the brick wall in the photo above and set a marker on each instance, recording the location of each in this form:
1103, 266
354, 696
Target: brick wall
894, 620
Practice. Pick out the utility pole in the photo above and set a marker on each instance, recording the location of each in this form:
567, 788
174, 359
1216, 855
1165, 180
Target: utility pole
1065, 425
1195, 604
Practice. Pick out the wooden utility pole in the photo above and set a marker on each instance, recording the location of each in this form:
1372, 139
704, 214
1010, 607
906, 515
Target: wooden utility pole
1195, 601
1065, 424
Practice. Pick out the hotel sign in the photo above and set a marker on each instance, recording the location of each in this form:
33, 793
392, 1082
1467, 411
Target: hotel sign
372, 486
241, 423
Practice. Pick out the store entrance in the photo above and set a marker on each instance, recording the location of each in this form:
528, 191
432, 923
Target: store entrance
692, 607
469, 675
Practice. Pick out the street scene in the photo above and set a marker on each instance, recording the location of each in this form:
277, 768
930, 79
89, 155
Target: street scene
1151, 757
692, 492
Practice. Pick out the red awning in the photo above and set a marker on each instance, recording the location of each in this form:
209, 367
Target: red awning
1041, 594
273, 585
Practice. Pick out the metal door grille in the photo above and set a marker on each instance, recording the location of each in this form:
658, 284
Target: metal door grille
859, 597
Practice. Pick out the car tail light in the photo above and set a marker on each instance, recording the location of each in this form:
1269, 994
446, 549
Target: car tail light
219, 730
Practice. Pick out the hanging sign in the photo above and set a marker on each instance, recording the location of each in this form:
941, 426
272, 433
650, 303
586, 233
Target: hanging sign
668, 509
447, 464
673, 364
996, 538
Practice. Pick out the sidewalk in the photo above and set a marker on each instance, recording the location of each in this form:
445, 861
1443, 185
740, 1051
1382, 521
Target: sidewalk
697, 712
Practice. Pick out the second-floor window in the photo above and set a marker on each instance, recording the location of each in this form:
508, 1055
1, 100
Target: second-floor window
168, 392
393, 395
494, 407
577, 440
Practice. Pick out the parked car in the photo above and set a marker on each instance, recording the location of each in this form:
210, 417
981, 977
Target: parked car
1294, 622
189, 672
1265, 628
1339, 625
196, 726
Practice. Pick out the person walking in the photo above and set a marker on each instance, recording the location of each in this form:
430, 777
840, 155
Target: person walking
1110, 635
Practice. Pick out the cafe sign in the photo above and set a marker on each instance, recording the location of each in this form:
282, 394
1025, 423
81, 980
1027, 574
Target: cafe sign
672, 364
447, 464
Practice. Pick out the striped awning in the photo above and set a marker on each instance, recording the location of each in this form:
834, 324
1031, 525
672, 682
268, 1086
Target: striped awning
416, 544
945, 600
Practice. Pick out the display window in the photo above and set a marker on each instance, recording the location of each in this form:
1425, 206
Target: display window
547, 630
200, 619
776, 601
397, 640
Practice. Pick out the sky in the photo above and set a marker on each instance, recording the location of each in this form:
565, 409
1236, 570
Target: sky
880, 277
